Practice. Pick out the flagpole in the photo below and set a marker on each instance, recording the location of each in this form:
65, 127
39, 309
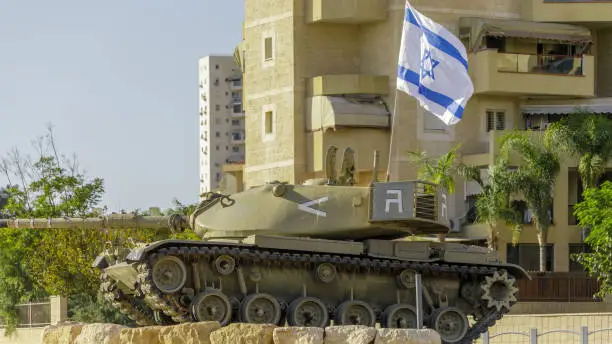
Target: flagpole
391, 136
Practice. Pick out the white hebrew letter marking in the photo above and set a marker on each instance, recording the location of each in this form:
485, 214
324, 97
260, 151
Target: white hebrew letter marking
397, 200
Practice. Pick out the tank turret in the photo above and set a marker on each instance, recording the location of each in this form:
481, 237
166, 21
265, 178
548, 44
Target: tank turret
305, 254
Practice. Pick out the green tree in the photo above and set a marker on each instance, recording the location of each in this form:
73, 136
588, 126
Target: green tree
35, 263
493, 203
16, 284
588, 137
595, 211
534, 179
441, 170
58, 261
4, 197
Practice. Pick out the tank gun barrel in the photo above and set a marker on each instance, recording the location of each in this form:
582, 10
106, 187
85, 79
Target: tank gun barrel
173, 222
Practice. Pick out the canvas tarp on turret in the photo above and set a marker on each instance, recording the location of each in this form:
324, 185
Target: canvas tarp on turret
475, 29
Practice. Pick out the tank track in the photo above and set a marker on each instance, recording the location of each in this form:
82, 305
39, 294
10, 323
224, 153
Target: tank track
154, 298
124, 304
176, 306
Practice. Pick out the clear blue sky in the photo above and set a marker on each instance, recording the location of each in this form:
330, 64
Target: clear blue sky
118, 80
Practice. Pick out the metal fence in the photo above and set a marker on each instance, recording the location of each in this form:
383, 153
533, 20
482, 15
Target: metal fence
534, 337
33, 314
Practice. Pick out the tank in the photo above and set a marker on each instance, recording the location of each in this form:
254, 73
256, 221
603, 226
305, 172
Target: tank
307, 254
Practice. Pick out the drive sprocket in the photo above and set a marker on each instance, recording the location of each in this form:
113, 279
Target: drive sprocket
499, 290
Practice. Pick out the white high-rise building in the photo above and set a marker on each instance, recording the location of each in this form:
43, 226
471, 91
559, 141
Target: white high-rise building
221, 118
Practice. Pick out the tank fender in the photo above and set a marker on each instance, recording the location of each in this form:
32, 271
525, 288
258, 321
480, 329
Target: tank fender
516, 270
139, 254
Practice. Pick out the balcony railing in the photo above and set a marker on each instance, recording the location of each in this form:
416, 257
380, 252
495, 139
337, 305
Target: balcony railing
574, 1
540, 64
558, 287
568, 11
34, 314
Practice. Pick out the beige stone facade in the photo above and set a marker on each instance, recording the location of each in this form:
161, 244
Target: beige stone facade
304, 57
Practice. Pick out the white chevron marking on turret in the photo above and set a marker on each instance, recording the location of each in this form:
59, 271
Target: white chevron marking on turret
306, 206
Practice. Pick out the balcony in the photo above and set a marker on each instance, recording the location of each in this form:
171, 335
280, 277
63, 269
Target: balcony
235, 84
343, 84
345, 11
237, 111
568, 11
498, 73
237, 138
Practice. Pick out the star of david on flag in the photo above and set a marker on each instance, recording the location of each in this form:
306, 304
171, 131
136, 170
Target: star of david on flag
433, 67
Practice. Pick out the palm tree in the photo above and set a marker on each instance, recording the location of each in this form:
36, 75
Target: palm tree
493, 203
440, 171
588, 137
534, 179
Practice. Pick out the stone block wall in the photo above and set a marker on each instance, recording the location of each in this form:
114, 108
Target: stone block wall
213, 333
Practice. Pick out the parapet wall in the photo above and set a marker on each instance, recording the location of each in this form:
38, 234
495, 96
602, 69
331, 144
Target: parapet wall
213, 333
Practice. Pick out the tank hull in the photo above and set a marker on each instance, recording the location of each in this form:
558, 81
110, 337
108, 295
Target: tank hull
311, 282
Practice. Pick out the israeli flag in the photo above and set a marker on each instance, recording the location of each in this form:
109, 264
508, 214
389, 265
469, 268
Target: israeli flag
433, 67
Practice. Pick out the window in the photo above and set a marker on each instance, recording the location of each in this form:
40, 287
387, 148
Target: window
218, 134
268, 122
236, 96
431, 122
528, 256
236, 136
235, 149
496, 120
216, 66
235, 122
268, 49
217, 147
217, 107
237, 108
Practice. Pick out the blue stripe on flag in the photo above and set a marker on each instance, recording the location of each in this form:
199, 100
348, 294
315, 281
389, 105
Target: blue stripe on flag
437, 41
433, 96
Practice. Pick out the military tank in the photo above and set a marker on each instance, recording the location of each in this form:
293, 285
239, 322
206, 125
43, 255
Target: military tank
306, 255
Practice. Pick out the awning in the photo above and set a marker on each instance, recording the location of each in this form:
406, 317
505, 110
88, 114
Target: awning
238, 58
477, 28
600, 105
327, 112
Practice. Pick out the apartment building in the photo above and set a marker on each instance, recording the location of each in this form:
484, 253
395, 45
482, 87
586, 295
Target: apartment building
222, 133
323, 72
